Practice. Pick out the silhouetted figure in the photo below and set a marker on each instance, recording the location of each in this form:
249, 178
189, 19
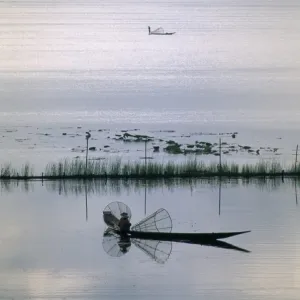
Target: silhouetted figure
124, 224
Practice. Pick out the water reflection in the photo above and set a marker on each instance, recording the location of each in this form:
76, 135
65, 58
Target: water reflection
145, 198
45, 239
220, 183
220, 192
118, 187
153, 235
9, 186
158, 250
86, 202
296, 191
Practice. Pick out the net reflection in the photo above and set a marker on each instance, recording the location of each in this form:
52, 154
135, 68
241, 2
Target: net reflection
152, 235
116, 246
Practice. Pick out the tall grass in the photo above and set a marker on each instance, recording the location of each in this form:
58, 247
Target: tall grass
76, 168
8, 171
190, 168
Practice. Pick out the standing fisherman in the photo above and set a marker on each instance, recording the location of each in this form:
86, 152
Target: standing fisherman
124, 224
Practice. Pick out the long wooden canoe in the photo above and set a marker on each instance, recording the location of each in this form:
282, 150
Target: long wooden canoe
183, 237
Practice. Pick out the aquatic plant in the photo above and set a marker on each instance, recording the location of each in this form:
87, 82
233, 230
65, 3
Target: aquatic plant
8, 171
191, 168
173, 148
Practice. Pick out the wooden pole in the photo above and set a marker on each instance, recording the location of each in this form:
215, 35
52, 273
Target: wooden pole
145, 157
296, 192
220, 155
145, 204
60, 187
296, 159
220, 186
86, 156
220, 170
86, 201
88, 135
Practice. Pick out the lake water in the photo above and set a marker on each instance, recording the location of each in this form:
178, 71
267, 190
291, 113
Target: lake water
51, 241
231, 66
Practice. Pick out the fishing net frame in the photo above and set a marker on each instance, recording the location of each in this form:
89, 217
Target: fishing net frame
153, 249
159, 221
112, 213
157, 250
111, 246
158, 30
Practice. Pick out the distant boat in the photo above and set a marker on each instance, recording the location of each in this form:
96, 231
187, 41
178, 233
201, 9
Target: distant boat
159, 31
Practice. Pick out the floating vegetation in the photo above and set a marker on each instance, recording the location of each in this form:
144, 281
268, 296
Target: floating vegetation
173, 148
128, 137
185, 147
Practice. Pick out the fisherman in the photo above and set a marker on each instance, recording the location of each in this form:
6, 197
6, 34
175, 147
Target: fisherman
124, 224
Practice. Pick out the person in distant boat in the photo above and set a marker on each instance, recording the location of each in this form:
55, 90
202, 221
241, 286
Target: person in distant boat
124, 224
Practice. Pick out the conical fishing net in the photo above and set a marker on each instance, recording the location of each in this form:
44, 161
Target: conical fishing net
159, 221
113, 245
160, 251
158, 30
112, 213
116, 246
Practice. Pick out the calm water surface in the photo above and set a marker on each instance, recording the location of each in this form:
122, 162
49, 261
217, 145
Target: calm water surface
51, 242
231, 66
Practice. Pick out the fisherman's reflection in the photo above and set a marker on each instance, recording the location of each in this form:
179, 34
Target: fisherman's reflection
124, 244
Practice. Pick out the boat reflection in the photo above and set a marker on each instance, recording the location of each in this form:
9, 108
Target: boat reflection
158, 250
153, 235
117, 246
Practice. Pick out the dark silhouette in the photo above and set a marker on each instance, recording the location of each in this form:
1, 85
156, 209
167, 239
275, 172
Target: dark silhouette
159, 31
124, 224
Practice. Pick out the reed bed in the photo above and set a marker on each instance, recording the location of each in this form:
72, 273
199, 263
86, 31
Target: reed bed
8, 171
76, 168
190, 168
